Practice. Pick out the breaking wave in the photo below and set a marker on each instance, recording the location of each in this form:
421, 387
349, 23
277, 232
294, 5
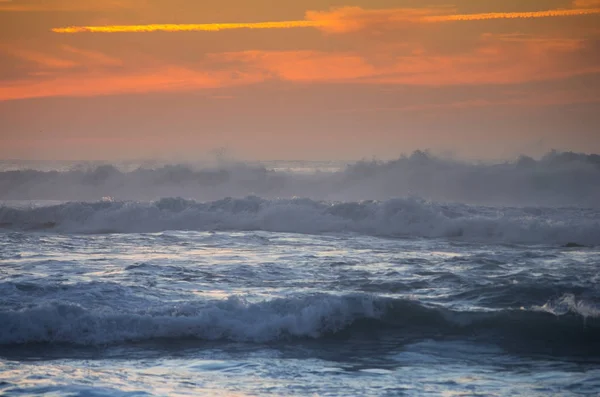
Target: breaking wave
407, 217
558, 179
316, 316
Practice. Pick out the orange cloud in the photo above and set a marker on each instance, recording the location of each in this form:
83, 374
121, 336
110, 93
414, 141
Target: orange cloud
41, 59
351, 19
498, 59
94, 56
210, 27
62, 58
301, 66
511, 15
341, 20
167, 79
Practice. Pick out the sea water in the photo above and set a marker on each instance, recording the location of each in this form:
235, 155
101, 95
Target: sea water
264, 293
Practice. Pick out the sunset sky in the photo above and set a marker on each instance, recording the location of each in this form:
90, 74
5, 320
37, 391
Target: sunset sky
314, 79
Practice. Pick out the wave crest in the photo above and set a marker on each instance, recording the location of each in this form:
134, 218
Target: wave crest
406, 217
316, 316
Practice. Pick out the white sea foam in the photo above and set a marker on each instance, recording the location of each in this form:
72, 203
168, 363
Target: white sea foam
235, 319
408, 217
569, 303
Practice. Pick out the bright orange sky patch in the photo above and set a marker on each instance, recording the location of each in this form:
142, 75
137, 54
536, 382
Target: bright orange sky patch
260, 78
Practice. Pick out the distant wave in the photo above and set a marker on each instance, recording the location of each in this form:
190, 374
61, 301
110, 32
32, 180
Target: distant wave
408, 217
316, 316
558, 179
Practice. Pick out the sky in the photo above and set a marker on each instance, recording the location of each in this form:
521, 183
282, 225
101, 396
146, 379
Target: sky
291, 79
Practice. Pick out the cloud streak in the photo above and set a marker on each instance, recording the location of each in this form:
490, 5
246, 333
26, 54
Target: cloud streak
512, 15
338, 20
165, 79
39, 58
208, 27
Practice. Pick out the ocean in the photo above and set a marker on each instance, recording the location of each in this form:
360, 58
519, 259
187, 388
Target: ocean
420, 276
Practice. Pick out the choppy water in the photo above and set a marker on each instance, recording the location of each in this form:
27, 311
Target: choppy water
256, 296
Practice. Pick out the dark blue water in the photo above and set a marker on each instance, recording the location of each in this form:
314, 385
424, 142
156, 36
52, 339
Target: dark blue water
254, 312
297, 286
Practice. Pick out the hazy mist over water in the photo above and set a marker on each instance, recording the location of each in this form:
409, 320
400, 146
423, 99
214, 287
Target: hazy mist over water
561, 179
